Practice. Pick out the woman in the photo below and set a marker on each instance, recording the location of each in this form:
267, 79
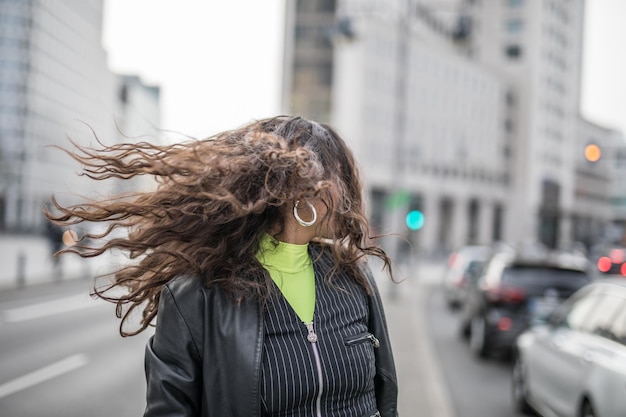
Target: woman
250, 255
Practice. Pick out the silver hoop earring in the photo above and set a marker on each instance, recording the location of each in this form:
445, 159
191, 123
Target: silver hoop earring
299, 219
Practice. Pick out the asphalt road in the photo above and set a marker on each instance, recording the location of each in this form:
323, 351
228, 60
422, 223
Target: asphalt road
477, 387
61, 355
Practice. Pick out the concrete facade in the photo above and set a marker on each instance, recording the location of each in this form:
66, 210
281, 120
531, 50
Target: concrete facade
469, 112
616, 155
308, 58
592, 213
426, 120
538, 46
137, 118
55, 85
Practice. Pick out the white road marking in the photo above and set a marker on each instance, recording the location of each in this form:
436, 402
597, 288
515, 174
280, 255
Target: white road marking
48, 308
43, 374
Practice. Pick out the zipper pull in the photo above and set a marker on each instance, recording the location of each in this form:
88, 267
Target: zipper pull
375, 342
311, 337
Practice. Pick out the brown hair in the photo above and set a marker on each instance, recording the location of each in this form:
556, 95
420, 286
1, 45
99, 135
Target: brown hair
215, 200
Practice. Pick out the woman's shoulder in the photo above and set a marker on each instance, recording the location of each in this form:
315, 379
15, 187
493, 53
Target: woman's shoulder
185, 285
194, 301
191, 291
185, 294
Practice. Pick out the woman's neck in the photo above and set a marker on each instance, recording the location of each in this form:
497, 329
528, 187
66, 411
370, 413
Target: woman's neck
295, 234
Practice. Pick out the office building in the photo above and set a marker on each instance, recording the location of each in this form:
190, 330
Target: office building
467, 111
538, 47
424, 120
308, 58
593, 212
137, 118
54, 85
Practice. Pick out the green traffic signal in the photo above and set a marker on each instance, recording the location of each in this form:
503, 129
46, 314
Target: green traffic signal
415, 220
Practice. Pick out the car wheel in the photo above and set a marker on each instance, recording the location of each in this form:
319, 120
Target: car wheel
519, 388
478, 337
587, 409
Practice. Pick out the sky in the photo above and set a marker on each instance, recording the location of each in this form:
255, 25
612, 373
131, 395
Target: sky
603, 97
218, 63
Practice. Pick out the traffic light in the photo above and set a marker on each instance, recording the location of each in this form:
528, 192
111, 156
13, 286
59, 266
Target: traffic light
415, 220
592, 152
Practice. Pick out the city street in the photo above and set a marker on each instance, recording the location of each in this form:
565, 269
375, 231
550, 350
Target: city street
422, 127
61, 355
437, 373
477, 387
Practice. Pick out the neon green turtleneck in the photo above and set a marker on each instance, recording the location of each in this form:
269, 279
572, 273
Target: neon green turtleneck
291, 269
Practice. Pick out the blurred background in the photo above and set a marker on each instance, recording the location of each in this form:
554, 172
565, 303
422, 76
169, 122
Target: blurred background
474, 121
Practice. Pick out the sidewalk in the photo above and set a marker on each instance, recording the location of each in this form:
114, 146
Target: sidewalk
423, 392
27, 260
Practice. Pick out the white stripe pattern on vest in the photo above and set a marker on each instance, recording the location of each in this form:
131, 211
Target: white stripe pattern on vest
291, 384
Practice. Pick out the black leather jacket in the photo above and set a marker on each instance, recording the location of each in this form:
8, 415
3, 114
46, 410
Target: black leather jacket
205, 356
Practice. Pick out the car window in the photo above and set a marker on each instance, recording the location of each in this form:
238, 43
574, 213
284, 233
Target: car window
574, 315
539, 276
600, 320
534, 280
619, 325
472, 272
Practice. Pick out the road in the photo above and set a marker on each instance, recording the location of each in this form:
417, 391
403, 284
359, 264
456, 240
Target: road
477, 387
61, 355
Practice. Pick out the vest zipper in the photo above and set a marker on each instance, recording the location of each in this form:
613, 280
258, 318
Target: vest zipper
312, 338
362, 338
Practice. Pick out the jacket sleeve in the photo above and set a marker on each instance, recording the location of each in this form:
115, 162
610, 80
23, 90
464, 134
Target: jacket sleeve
386, 384
172, 364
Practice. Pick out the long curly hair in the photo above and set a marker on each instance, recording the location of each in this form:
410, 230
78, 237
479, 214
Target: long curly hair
214, 201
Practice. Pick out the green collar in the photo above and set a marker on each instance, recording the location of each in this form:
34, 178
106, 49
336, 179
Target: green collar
284, 257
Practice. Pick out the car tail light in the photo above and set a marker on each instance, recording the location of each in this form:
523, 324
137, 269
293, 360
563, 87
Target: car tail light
506, 294
617, 256
622, 269
505, 324
604, 264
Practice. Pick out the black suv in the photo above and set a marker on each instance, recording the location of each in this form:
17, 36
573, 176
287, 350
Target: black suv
516, 286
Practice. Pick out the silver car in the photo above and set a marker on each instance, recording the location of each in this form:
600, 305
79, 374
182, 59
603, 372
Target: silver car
574, 364
463, 268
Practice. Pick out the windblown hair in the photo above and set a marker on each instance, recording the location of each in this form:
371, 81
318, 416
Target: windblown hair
215, 200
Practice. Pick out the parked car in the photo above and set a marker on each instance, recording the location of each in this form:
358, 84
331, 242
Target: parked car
515, 286
574, 364
464, 266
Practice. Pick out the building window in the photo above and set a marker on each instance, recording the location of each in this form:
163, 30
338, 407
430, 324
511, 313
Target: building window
473, 221
620, 159
325, 73
316, 6
377, 211
513, 51
510, 99
514, 25
497, 220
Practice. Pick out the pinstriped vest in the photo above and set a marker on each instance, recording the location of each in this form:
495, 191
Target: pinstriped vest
332, 377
